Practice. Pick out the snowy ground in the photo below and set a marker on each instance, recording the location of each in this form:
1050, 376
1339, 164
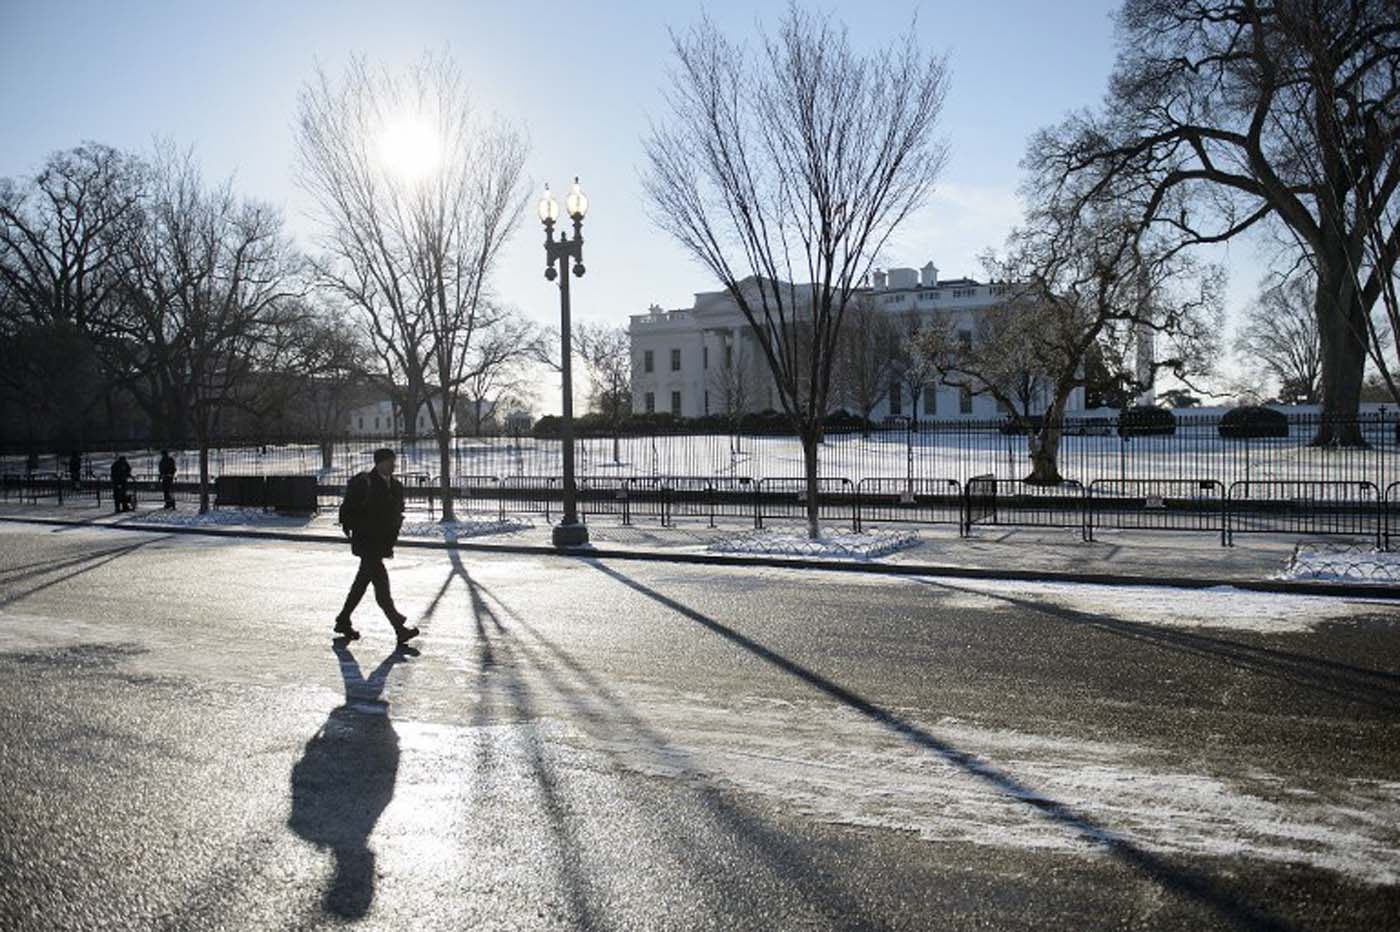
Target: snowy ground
1348, 562
952, 452
831, 543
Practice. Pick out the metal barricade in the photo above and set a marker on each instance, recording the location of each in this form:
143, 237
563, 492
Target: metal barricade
1156, 505
710, 497
602, 495
1304, 506
786, 497
1391, 505
979, 501
915, 501
1018, 503
530, 495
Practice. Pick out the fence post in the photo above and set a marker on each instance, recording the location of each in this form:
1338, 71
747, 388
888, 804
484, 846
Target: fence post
1088, 526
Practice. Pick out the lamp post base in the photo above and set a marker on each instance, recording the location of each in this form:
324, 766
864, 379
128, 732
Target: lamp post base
570, 535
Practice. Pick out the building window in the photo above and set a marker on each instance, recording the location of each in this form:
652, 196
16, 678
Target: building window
362, 423
894, 299
376, 423
650, 400
965, 340
964, 399
928, 296
964, 292
705, 357
675, 360
728, 356
647, 362
676, 403
707, 401
896, 400
930, 399
1003, 407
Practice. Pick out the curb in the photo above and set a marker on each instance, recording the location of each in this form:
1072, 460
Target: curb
1290, 587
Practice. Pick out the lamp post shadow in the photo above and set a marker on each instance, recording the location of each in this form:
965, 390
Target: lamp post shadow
345, 778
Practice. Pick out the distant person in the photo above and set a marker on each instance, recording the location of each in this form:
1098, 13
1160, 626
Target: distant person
121, 479
371, 516
31, 463
75, 469
167, 477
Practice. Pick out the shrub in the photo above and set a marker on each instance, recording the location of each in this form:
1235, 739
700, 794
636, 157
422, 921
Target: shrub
1253, 421
1146, 420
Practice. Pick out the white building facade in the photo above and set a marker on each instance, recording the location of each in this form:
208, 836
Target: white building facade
704, 359
383, 418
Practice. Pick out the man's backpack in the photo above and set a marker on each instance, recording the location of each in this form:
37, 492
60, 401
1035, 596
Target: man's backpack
348, 511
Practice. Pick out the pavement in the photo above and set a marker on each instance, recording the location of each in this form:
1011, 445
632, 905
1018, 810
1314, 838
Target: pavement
625, 745
1257, 562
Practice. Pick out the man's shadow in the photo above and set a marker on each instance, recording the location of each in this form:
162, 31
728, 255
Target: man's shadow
345, 778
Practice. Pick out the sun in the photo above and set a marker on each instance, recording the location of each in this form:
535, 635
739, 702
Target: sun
409, 148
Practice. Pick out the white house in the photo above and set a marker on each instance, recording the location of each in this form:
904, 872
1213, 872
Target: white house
383, 418
695, 361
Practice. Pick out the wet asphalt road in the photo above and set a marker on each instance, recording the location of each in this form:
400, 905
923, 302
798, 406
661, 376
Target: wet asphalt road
641, 746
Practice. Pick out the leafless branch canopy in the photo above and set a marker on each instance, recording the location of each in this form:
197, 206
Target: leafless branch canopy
784, 171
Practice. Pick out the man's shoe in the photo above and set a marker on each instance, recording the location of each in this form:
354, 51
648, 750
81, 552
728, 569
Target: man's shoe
342, 628
405, 633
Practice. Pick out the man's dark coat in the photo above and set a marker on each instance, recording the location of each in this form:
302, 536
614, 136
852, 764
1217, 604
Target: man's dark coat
373, 513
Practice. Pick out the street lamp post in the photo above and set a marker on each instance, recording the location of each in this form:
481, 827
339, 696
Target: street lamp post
568, 532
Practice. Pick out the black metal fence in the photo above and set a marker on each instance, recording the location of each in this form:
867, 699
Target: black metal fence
963, 473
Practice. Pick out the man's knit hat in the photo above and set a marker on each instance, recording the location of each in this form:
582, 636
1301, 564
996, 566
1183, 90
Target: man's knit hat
382, 454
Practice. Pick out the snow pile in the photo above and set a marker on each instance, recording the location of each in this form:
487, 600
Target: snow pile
1124, 608
796, 543
1343, 563
455, 530
215, 517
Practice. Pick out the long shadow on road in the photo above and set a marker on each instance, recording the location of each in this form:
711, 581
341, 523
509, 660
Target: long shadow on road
75, 567
1342, 681
785, 856
344, 780
1174, 877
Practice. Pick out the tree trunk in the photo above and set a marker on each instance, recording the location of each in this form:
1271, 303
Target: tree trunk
1341, 327
1045, 455
444, 439
811, 438
1044, 444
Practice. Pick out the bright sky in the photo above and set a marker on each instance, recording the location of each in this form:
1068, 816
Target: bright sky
584, 79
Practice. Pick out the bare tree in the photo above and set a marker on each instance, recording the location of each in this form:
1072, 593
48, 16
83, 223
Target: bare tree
327, 366
1279, 338
414, 252
60, 236
866, 357
913, 369
784, 173
1233, 113
606, 353
1082, 274
733, 382
210, 287
501, 358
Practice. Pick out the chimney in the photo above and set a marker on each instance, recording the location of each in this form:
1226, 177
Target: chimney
879, 278
928, 276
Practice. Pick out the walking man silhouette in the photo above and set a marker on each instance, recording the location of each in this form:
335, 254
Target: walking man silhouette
371, 516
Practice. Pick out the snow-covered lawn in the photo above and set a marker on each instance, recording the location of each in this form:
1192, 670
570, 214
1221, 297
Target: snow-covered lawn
831, 543
950, 452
